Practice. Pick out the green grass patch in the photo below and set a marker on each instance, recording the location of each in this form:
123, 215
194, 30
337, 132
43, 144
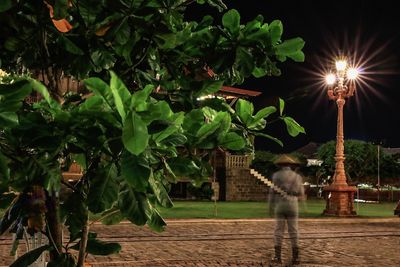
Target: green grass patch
249, 210
384, 209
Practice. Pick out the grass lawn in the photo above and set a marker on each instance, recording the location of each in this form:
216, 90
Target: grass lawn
239, 210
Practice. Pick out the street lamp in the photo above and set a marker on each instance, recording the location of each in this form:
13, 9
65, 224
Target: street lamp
341, 85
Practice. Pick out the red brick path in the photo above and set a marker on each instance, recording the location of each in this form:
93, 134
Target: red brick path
325, 242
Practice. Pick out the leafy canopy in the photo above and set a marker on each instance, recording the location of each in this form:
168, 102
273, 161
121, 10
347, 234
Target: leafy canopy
140, 126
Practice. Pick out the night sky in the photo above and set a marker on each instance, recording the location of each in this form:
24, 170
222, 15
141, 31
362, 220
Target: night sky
368, 33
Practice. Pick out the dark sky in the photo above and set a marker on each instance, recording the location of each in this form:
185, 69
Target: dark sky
367, 32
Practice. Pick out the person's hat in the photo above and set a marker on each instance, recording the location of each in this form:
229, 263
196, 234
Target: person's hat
286, 159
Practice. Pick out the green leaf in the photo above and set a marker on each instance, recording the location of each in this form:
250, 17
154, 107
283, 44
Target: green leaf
259, 72
171, 129
219, 4
135, 171
102, 60
209, 113
256, 125
134, 134
75, 212
290, 47
92, 103
244, 60
108, 22
233, 141
97, 247
279, 142
99, 87
80, 160
10, 105
252, 27
193, 121
103, 191
122, 32
5, 5
159, 191
70, 46
175, 139
40, 88
264, 113
8, 119
17, 89
231, 21
276, 30
112, 216
281, 58
53, 179
13, 44
29, 257
63, 260
183, 166
169, 171
293, 127
139, 98
130, 206
167, 40
156, 222
244, 109
60, 9
297, 56
224, 125
157, 111
207, 129
120, 93
281, 106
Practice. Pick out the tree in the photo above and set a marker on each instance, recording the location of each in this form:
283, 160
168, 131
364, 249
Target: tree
141, 127
361, 162
390, 169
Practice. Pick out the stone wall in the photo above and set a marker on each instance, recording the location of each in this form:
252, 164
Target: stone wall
241, 185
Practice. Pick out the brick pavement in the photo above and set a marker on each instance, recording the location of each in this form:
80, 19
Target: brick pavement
199, 243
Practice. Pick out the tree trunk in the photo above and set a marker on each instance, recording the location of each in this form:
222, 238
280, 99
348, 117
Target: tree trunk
83, 243
54, 226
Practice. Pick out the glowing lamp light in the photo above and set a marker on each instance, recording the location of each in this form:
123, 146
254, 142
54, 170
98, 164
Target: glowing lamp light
330, 79
340, 194
341, 65
352, 73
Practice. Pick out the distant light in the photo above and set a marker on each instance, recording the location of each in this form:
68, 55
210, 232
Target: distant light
341, 65
330, 79
352, 73
201, 98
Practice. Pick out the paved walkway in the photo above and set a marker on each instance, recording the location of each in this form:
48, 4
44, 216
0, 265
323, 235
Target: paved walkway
199, 243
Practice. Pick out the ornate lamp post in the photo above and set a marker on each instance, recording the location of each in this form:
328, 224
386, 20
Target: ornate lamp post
340, 196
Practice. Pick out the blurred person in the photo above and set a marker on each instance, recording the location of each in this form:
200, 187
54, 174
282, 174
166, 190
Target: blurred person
283, 204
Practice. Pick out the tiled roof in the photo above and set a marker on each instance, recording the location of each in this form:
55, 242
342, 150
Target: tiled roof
309, 150
238, 92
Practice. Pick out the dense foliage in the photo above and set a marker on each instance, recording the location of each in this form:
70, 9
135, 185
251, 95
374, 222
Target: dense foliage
140, 128
361, 162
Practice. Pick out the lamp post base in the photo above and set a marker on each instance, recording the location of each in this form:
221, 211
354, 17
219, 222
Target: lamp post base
339, 200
